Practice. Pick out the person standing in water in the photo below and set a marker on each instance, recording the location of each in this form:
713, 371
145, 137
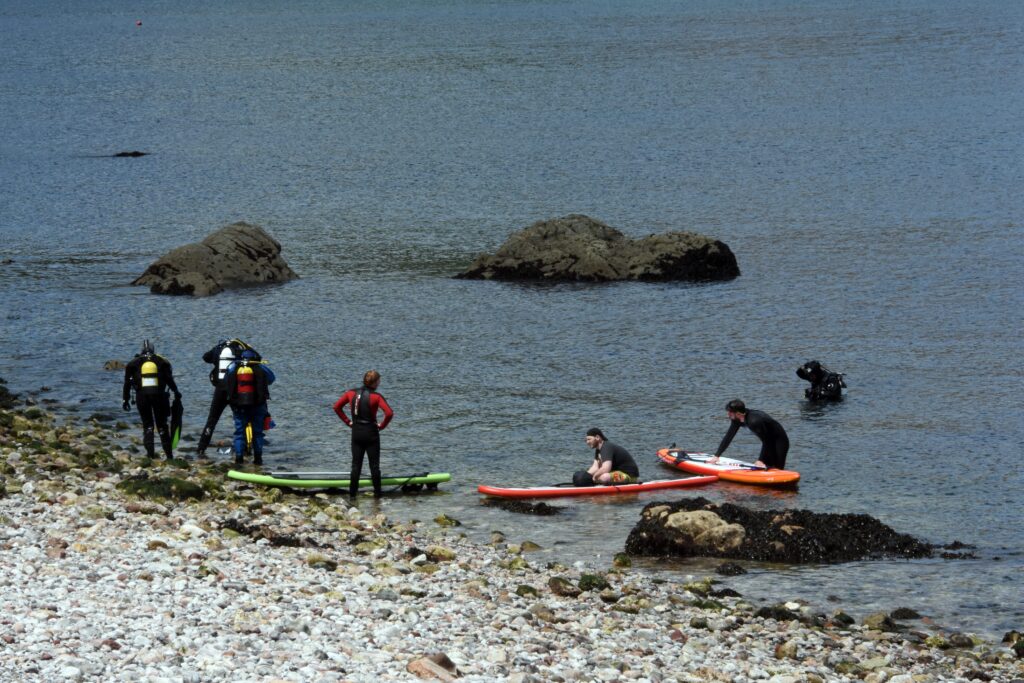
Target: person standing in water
221, 357
246, 385
364, 403
774, 442
150, 376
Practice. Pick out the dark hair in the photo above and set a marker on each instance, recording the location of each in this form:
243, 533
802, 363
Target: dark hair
736, 406
594, 431
371, 378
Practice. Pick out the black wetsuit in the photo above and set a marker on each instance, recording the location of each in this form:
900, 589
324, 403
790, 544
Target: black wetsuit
152, 402
220, 397
365, 440
774, 442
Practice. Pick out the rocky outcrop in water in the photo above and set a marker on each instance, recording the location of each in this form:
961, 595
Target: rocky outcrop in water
579, 248
237, 255
698, 527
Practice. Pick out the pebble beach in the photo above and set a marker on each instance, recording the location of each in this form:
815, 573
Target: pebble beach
117, 568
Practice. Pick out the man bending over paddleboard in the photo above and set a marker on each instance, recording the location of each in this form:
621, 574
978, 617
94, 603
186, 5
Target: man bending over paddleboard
612, 463
774, 442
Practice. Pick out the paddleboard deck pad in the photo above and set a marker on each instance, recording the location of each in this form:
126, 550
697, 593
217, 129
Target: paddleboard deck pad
726, 469
609, 490
337, 480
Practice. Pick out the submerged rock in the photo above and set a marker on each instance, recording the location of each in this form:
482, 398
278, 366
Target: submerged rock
697, 527
7, 399
579, 248
237, 255
541, 508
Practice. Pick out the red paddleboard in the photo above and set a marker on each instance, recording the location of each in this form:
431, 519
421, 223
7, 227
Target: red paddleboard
609, 490
727, 469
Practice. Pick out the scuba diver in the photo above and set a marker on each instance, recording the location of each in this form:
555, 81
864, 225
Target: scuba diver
246, 383
825, 384
150, 376
221, 357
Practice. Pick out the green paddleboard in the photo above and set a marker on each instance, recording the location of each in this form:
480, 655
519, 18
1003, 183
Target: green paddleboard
334, 480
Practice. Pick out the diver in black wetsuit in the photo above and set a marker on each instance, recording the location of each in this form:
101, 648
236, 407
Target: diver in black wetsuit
221, 357
150, 377
774, 442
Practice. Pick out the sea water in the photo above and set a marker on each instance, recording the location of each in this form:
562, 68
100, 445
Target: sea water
863, 161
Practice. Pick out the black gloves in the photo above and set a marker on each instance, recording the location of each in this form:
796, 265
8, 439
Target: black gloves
126, 406
177, 395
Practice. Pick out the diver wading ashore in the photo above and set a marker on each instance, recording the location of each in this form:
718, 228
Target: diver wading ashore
149, 377
221, 357
247, 387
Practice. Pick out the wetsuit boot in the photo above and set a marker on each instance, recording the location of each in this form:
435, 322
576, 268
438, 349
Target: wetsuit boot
204, 441
238, 458
165, 442
148, 442
257, 457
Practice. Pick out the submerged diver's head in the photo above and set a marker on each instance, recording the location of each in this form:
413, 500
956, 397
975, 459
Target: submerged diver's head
810, 371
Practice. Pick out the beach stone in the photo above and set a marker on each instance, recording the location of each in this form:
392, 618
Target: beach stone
730, 569
563, 587
880, 621
446, 521
428, 669
437, 553
786, 650
237, 255
591, 582
904, 613
579, 248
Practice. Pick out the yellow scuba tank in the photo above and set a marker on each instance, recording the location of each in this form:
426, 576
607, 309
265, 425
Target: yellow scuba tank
149, 381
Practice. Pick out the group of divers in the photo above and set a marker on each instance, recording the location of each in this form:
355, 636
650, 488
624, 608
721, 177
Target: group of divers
241, 380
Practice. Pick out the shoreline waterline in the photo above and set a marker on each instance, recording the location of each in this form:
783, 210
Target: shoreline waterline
251, 582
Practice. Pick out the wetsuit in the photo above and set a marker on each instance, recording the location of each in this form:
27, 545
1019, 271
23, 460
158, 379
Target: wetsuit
248, 403
151, 399
364, 403
774, 442
622, 463
220, 398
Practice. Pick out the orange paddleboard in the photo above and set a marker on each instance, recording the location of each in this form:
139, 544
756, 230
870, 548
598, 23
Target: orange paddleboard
727, 469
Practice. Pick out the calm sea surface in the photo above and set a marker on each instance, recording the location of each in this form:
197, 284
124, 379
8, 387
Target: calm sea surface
863, 160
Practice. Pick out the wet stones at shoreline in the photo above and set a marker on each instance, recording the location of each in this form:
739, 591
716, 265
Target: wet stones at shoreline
256, 583
577, 248
238, 255
696, 527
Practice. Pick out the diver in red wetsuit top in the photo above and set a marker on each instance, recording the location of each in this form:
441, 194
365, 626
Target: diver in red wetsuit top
363, 404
